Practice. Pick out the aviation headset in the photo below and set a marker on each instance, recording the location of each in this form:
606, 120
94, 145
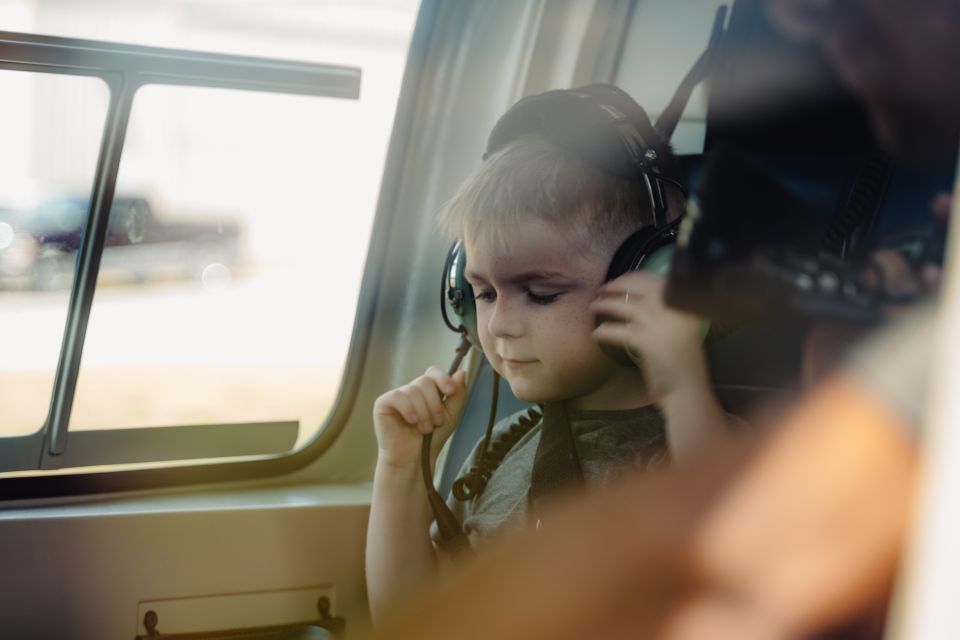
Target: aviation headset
607, 129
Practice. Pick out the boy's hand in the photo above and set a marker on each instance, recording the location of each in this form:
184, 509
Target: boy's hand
430, 404
668, 341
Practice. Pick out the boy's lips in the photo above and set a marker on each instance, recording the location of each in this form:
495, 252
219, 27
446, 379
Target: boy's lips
516, 362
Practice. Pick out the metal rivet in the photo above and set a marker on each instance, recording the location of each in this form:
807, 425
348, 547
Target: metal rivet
150, 620
650, 155
323, 607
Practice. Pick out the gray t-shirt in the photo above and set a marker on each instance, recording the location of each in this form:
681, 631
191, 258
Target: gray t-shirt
608, 444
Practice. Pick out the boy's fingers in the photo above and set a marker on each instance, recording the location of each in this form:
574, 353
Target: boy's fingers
635, 315
613, 333
421, 404
444, 382
455, 402
423, 422
613, 308
398, 402
427, 387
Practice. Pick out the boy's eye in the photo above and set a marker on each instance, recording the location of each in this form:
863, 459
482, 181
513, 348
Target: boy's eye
485, 295
542, 298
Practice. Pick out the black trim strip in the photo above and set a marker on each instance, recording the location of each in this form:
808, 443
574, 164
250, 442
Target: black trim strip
20, 453
172, 66
94, 447
88, 266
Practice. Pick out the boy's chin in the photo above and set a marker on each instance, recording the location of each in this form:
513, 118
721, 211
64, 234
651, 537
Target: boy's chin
526, 393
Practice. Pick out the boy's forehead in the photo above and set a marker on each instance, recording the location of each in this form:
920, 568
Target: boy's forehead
533, 246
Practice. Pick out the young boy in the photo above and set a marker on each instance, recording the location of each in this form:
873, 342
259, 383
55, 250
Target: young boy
540, 225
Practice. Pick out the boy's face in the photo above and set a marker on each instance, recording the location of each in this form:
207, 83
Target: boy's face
533, 319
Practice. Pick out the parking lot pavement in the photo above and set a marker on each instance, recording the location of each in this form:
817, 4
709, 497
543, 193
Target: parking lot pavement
175, 353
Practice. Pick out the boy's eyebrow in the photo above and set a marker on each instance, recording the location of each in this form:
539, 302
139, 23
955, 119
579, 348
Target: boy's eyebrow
526, 276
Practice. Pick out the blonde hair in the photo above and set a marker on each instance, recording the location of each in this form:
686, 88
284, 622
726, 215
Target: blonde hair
531, 177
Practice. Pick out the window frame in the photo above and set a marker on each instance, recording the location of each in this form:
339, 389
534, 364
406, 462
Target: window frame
125, 68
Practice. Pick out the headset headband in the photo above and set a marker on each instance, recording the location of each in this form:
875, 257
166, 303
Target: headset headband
601, 124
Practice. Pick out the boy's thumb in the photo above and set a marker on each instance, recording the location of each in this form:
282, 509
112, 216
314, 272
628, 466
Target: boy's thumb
458, 399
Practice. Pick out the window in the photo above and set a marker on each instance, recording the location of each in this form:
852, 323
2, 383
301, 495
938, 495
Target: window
197, 221
232, 262
663, 41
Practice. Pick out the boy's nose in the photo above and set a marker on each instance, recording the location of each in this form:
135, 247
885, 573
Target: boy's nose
504, 320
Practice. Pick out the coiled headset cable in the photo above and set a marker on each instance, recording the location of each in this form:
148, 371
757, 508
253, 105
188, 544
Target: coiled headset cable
472, 483
451, 533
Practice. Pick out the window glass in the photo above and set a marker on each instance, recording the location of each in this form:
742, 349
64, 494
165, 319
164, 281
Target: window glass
663, 41
51, 130
233, 260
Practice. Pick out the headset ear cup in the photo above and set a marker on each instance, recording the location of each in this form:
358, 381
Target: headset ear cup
659, 261
648, 248
460, 294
